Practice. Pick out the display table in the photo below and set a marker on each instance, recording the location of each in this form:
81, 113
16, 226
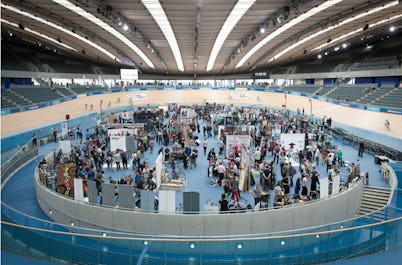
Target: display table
379, 159
211, 208
173, 185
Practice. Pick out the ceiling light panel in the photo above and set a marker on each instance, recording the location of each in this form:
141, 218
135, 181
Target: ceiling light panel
285, 27
236, 14
353, 32
78, 10
343, 22
64, 30
42, 36
155, 9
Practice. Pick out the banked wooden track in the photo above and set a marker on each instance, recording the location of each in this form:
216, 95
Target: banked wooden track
370, 120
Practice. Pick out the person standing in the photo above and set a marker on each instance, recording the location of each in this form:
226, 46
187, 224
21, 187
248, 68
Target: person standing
55, 135
317, 156
151, 144
34, 140
234, 185
266, 178
193, 158
117, 159
204, 146
224, 203
361, 149
304, 186
387, 125
221, 173
109, 160
314, 181
256, 192
124, 158
339, 155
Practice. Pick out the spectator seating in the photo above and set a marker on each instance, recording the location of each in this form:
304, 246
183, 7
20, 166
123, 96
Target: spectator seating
79, 89
377, 63
391, 99
64, 91
374, 94
308, 89
350, 93
37, 94
324, 90
11, 99
11, 62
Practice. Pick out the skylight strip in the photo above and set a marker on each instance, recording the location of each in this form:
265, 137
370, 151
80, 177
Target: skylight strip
285, 27
39, 34
358, 30
50, 24
154, 7
237, 13
78, 10
348, 20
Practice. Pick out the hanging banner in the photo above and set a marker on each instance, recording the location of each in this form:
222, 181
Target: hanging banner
134, 97
292, 141
239, 141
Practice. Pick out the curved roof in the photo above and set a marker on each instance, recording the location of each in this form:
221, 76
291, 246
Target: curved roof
199, 37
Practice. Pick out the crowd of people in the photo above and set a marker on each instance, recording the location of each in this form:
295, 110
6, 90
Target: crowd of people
285, 175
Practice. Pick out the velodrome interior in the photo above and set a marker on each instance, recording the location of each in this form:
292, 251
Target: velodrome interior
358, 88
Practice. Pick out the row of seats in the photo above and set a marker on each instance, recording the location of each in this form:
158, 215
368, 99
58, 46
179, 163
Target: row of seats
309, 89
385, 96
377, 63
23, 95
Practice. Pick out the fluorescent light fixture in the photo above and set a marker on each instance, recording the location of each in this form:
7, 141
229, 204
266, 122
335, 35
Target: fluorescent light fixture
387, 20
85, 14
39, 34
50, 24
348, 20
237, 13
157, 12
285, 27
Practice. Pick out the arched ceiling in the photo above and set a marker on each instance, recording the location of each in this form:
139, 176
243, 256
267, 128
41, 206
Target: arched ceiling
100, 33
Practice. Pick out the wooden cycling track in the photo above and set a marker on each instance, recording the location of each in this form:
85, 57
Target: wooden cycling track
369, 120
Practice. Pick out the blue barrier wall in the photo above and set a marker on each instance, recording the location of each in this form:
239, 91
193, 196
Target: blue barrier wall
15, 140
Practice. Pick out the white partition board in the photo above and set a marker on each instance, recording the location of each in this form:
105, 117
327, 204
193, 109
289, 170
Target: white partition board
65, 146
167, 201
336, 180
78, 190
324, 188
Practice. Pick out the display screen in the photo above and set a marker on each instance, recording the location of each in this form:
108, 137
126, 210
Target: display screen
129, 74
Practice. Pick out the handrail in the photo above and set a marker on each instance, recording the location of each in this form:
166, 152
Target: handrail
208, 239
24, 154
394, 184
